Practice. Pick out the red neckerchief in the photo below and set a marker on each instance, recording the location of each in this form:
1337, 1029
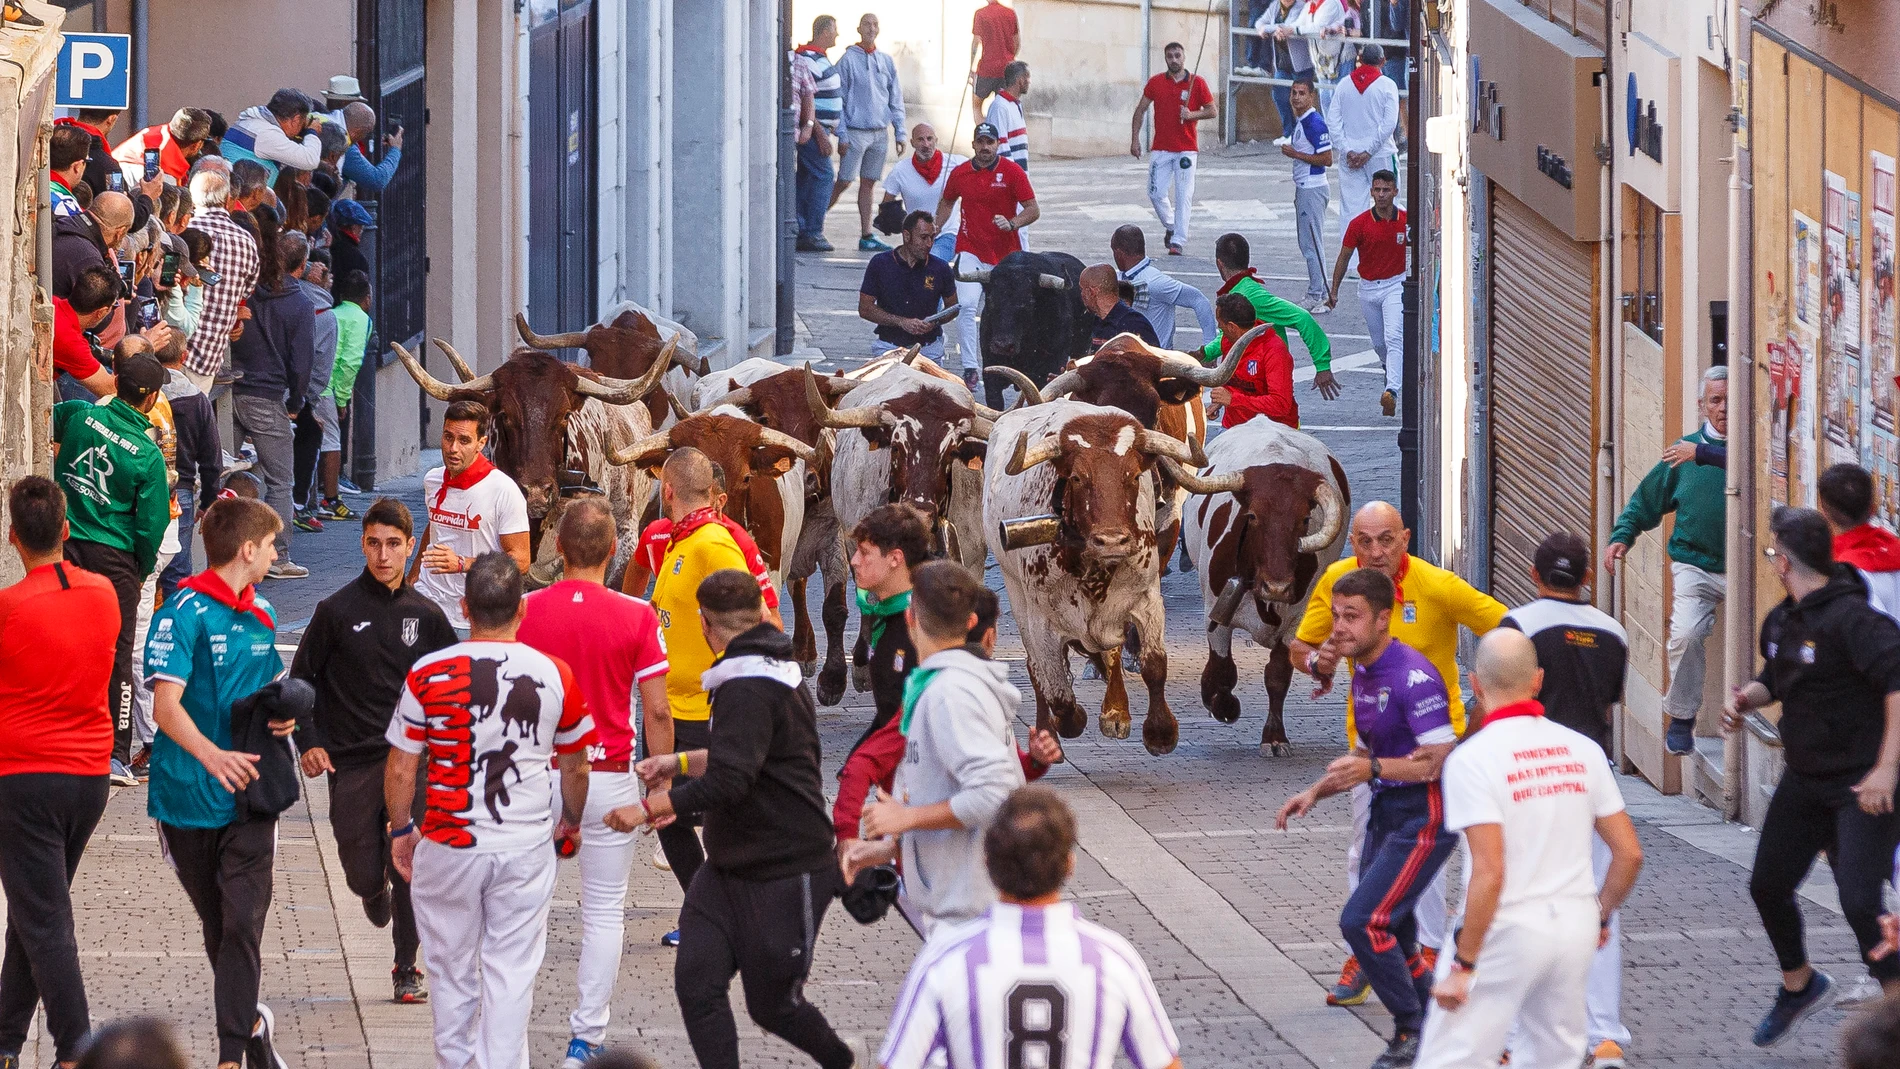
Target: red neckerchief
213, 586
1235, 280
1869, 548
1531, 707
89, 128
928, 171
1364, 75
661, 535
1313, 8
466, 478
866, 49
811, 50
1004, 93
1398, 582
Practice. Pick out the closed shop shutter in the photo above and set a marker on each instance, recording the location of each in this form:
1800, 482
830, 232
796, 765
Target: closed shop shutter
1543, 383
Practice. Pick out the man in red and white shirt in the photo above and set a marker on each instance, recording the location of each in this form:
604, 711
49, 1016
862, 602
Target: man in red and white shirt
613, 644
1181, 100
1378, 235
993, 32
1006, 113
1000, 203
473, 509
489, 720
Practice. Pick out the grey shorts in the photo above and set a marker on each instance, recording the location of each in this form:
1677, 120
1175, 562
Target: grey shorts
987, 87
864, 154
326, 413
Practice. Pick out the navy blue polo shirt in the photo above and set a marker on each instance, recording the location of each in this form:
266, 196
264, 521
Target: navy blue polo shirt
901, 289
1122, 319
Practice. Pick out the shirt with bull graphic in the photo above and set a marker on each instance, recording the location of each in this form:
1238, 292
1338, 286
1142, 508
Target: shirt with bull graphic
490, 716
1402, 705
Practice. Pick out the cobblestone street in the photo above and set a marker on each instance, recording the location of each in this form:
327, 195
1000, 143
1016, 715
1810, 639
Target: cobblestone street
1237, 922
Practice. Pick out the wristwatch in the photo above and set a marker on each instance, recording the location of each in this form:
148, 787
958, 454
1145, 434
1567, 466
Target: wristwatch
1374, 760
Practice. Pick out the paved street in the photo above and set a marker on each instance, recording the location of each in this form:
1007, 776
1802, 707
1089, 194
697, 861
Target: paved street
1236, 921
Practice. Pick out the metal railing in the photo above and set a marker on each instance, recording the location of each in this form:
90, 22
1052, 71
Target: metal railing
1330, 52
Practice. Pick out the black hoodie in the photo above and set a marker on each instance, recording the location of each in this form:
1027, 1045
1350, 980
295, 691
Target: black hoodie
762, 794
1832, 659
278, 345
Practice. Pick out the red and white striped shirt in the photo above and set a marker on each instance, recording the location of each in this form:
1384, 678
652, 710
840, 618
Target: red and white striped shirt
1006, 114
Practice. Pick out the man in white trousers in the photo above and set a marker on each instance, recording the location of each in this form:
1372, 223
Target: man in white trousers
1528, 793
488, 718
1377, 236
997, 203
1181, 100
1363, 116
612, 643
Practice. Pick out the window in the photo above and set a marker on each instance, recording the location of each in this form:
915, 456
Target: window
1643, 267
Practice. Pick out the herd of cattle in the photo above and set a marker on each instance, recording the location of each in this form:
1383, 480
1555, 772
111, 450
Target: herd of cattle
1080, 492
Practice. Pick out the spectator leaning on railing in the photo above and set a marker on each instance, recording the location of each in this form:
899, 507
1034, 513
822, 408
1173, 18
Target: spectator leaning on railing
277, 134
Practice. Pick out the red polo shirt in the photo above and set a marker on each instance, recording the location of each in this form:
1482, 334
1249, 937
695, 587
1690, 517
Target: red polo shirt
1380, 243
1170, 96
57, 629
1001, 190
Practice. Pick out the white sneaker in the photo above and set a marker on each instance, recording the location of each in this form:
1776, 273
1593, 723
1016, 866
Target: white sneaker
1318, 306
1861, 991
659, 859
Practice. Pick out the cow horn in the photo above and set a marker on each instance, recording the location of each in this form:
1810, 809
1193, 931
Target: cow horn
1195, 483
868, 416
1332, 517
1031, 395
433, 386
1067, 382
573, 340
980, 428
640, 452
628, 391
1192, 370
738, 398
1052, 282
1027, 457
455, 360
768, 436
679, 410
1156, 444
980, 275
908, 355
693, 363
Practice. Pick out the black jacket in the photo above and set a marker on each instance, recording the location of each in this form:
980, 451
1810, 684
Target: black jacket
278, 779
1585, 657
77, 245
1123, 319
762, 793
345, 256
357, 651
1832, 659
278, 345
890, 660
200, 455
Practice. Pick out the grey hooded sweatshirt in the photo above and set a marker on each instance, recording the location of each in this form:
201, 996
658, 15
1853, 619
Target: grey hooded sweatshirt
960, 749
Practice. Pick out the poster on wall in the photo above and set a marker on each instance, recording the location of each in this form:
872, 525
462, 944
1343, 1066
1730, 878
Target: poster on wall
1780, 382
1804, 339
1881, 447
1843, 386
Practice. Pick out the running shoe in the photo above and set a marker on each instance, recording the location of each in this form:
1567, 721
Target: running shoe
333, 508
579, 1053
1388, 403
344, 486
659, 859
1864, 990
142, 765
1175, 250
122, 776
867, 243
1607, 1055
307, 521
1319, 306
1681, 736
408, 985
1352, 988
1423, 962
261, 1051
1167, 237
376, 907
287, 569
1791, 1007
671, 939
1400, 1053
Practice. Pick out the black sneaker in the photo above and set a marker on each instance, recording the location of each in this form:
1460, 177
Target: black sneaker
261, 1051
307, 521
1680, 738
376, 908
408, 985
1791, 1007
1400, 1053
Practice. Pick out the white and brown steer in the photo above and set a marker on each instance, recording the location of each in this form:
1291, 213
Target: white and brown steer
1091, 467
1268, 515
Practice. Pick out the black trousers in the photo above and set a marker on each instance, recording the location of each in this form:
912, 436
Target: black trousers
306, 438
227, 875
360, 819
122, 572
1805, 817
764, 931
45, 822
677, 840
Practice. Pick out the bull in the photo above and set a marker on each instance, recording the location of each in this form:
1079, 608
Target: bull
1093, 570
1269, 516
1033, 318
626, 346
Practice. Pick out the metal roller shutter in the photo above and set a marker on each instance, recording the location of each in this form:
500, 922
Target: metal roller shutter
1543, 382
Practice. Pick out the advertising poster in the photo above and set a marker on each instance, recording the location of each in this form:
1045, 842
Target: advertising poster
1881, 448
1843, 387
1804, 340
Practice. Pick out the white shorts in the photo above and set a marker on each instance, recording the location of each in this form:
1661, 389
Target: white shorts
864, 153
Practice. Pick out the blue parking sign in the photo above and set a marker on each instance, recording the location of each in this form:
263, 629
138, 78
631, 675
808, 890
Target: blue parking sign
95, 70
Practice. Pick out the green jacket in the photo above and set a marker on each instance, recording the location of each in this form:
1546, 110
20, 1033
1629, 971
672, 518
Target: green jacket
117, 493
352, 335
1282, 314
1697, 494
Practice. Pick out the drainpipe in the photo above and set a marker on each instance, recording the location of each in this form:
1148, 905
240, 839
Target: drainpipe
141, 36
786, 312
1609, 592
1477, 553
1147, 40
1740, 544
43, 236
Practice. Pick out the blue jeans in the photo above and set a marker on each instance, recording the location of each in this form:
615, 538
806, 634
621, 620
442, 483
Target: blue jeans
814, 189
179, 569
1406, 845
945, 247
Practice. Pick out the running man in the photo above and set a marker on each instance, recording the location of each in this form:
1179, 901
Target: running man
1181, 100
1029, 982
1157, 294
1404, 733
1231, 256
1378, 236
1523, 954
473, 509
1001, 204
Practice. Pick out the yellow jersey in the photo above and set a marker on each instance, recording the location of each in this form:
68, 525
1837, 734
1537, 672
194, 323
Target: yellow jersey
1432, 603
687, 563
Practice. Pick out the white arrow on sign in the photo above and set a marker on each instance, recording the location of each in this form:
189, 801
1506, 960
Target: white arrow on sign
91, 62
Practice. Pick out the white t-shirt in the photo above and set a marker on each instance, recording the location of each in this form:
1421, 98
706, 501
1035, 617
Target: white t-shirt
470, 522
490, 715
919, 195
1546, 785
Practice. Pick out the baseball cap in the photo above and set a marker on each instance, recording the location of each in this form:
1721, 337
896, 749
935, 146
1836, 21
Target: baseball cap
983, 130
1561, 560
140, 377
347, 212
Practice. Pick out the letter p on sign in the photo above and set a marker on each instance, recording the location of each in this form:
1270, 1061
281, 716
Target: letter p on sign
95, 71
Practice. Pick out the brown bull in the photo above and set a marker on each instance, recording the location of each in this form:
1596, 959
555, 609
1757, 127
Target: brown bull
626, 348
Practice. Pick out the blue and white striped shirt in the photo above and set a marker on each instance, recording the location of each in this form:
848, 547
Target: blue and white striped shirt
828, 100
1310, 136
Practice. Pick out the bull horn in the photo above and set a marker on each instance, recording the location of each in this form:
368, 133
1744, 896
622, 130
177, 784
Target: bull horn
1027, 457
830, 417
768, 436
693, 363
1052, 282
679, 410
1156, 444
980, 428
984, 411
628, 391
571, 340
1332, 517
1192, 370
738, 398
982, 274
640, 452
1067, 382
455, 360
1031, 395
433, 386
908, 355
1195, 483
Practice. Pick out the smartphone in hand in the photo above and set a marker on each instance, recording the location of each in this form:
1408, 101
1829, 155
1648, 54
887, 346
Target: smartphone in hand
168, 271
151, 164
148, 312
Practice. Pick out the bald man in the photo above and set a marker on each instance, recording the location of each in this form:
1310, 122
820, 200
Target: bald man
918, 180
1431, 605
1529, 795
1102, 296
88, 239
359, 125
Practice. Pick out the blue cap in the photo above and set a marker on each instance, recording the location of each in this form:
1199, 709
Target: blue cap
347, 212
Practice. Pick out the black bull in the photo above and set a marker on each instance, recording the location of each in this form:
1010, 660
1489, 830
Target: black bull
1029, 323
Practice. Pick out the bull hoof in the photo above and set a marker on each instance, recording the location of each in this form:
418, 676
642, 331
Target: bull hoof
809, 668
1114, 728
1276, 749
1225, 707
1160, 737
860, 678
831, 686
1069, 723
